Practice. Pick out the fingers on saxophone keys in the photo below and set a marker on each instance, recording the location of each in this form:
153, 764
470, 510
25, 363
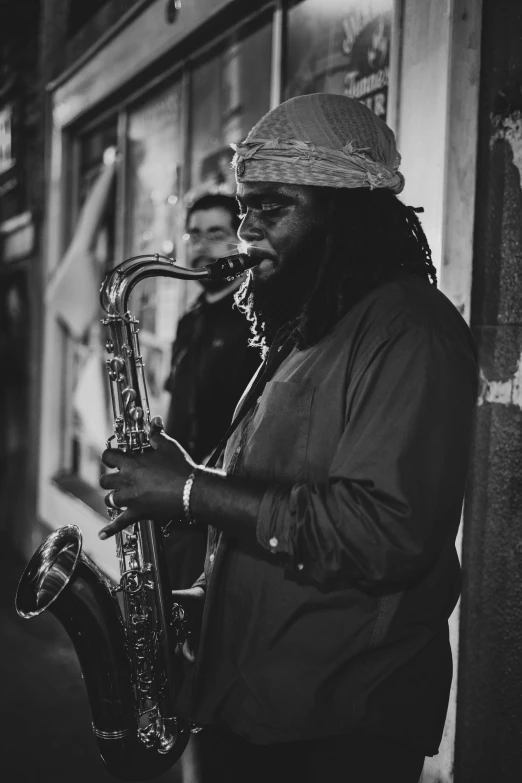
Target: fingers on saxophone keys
122, 521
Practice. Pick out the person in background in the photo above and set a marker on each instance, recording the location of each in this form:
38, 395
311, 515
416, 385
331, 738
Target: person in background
211, 362
211, 365
331, 568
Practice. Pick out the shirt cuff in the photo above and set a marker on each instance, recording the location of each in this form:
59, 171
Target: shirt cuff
273, 528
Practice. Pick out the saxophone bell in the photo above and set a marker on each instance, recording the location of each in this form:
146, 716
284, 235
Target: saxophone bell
61, 579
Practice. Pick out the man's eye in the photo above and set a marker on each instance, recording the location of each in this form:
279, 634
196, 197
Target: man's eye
266, 207
217, 235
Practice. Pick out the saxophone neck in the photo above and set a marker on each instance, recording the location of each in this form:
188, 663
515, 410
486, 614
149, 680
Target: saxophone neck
117, 286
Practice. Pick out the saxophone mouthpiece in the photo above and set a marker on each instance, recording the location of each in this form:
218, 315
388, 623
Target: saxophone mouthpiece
230, 266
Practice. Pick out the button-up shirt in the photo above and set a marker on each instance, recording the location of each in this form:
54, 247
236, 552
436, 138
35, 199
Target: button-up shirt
339, 616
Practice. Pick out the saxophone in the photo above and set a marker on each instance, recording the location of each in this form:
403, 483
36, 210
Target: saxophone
124, 634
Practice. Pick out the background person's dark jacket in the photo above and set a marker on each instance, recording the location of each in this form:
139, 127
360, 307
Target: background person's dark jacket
210, 368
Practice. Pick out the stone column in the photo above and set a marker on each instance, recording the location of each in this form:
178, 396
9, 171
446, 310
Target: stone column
489, 707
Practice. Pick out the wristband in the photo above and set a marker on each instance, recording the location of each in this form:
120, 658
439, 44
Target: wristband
187, 489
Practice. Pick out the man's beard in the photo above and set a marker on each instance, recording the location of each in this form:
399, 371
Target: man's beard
278, 301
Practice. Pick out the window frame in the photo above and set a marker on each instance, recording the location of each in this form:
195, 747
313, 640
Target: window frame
73, 114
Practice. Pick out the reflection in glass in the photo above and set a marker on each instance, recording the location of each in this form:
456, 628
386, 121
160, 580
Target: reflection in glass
154, 224
230, 93
342, 47
154, 168
86, 424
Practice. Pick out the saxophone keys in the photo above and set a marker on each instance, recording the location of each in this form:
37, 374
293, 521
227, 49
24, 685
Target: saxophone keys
117, 365
128, 394
166, 739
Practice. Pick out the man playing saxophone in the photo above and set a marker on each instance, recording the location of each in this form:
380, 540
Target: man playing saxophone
331, 568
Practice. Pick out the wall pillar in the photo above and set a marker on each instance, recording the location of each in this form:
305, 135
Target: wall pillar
489, 709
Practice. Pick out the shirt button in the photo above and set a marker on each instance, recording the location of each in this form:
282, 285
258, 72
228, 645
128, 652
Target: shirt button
300, 566
273, 542
211, 558
237, 451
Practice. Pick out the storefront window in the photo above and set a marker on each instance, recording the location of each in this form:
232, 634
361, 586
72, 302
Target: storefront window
230, 92
90, 255
150, 169
154, 171
154, 166
342, 47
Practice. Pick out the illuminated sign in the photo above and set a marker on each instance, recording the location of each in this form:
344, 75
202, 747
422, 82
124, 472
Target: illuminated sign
342, 47
367, 47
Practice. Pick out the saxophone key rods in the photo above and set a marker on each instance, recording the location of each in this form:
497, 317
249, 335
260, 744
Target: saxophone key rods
125, 647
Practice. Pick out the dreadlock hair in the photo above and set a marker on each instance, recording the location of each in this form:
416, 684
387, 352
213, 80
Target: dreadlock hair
370, 237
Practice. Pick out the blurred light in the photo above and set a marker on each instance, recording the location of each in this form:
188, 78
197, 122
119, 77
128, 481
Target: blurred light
186, 237
168, 246
172, 10
242, 247
172, 199
109, 156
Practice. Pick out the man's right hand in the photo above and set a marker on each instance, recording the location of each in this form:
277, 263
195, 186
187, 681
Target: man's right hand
192, 602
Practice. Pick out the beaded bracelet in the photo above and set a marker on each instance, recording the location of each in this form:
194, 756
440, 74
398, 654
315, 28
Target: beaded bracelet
187, 489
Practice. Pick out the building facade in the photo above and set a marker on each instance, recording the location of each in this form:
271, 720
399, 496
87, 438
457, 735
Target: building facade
22, 202
137, 103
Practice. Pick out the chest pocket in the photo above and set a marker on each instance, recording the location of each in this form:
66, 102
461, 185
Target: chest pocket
277, 439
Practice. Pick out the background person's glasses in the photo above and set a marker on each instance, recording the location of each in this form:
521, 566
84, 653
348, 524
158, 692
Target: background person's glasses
213, 235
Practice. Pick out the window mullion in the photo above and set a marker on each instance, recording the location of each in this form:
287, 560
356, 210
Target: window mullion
121, 188
276, 66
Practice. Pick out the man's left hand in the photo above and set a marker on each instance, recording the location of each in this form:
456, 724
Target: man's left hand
148, 485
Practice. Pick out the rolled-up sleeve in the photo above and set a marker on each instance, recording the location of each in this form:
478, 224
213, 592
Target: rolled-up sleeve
397, 479
201, 581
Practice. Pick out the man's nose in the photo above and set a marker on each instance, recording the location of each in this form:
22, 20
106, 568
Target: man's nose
200, 241
250, 230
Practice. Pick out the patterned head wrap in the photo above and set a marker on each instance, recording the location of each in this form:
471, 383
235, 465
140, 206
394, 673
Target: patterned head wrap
320, 139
